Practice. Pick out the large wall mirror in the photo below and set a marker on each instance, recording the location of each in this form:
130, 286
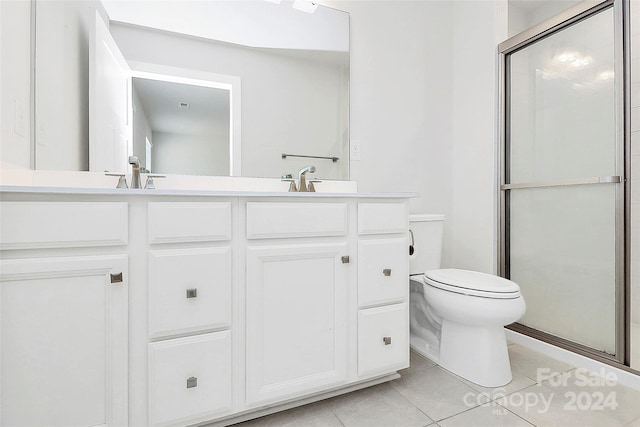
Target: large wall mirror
284, 87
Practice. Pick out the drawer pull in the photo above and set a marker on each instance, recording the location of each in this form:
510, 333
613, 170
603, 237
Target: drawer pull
116, 278
386, 272
386, 340
192, 293
192, 382
345, 259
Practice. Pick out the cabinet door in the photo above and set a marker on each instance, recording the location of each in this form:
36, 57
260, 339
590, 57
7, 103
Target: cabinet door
63, 339
296, 319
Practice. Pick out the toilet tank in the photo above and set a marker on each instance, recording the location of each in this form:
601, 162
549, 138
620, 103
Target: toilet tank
427, 242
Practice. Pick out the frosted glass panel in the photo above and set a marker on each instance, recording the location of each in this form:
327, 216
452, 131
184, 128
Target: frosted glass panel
562, 104
562, 254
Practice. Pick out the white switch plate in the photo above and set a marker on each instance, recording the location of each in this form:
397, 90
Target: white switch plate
355, 150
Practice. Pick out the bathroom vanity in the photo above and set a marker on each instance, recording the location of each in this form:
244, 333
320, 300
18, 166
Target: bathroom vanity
157, 307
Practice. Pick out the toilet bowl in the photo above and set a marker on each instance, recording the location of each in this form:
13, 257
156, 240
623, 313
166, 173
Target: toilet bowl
457, 320
457, 317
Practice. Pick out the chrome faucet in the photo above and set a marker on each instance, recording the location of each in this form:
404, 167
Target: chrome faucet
302, 181
135, 176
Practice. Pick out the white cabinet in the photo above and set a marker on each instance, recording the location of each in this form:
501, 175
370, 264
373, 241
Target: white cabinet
190, 379
64, 312
382, 271
383, 339
383, 288
190, 311
177, 222
296, 314
189, 290
63, 332
236, 304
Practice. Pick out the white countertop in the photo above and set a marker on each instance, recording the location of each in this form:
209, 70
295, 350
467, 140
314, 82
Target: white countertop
212, 193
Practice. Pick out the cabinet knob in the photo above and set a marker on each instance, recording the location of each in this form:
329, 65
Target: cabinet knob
192, 382
345, 259
386, 272
192, 293
386, 340
116, 278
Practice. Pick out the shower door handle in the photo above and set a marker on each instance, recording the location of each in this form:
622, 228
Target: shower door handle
613, 179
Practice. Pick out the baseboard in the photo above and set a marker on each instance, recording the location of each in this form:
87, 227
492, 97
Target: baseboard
625, 378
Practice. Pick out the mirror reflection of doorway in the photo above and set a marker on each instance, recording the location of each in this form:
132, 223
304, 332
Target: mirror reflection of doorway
181, 128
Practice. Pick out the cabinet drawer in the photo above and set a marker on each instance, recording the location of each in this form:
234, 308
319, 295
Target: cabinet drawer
172, 222
189, 290
378, 218
30, 225
383, 271
190, 378
383, 339
281, 220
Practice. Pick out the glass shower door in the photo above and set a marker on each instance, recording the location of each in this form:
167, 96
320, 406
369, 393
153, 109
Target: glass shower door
562, 191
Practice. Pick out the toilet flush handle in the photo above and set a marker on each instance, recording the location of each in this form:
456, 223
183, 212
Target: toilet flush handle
411, 250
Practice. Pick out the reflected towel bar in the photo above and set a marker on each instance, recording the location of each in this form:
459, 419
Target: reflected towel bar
333, 159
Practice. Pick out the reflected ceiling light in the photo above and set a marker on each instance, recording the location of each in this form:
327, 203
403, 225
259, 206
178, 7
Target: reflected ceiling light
305, 6
605, 75
572, 58
546, 74
565, 57
581, 61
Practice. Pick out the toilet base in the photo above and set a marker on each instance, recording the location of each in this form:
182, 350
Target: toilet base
422, 347
478, 354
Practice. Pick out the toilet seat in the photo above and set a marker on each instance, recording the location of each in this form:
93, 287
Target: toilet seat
472, 283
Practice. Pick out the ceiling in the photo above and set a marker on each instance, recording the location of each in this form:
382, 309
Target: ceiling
160, 100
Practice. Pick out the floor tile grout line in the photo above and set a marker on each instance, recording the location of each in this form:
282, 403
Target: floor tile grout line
411, 402
452, 376
511, 412
338, 417
429, 416
459, 413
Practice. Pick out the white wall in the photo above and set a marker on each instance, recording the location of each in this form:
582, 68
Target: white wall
191, 154
62, 82
523, 15
141, 131
478, 27
15, 81
63, 31
401, 83
246, 22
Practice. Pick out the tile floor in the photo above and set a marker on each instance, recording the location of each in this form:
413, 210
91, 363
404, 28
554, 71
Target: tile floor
544, 392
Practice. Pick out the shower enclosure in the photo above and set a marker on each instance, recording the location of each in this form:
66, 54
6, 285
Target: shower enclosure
562, 178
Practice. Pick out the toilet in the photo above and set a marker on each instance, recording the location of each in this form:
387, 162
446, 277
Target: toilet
458, 316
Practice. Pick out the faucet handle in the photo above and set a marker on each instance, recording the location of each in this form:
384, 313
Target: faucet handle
292, 184
312, 188
122, 181
150, 185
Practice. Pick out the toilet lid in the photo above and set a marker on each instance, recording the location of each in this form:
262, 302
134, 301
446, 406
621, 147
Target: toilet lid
472, 283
